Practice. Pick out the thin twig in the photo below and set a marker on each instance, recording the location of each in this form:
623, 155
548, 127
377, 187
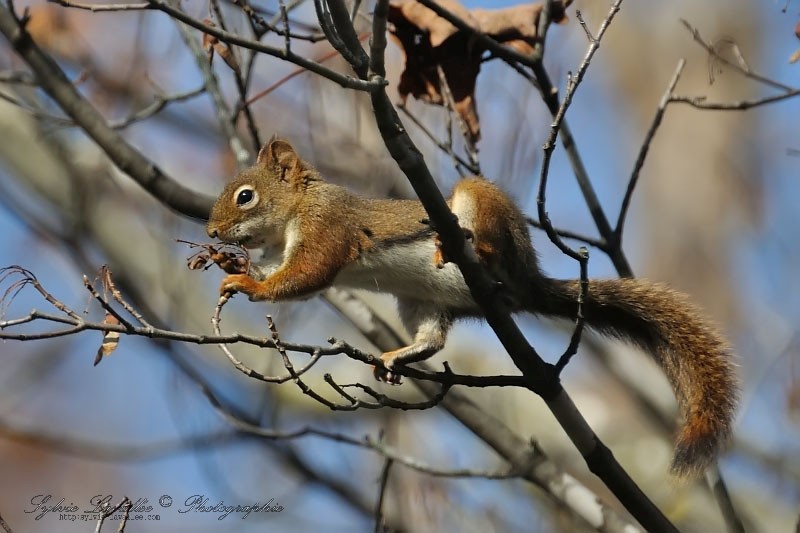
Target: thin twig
549, 146
308, 391
323, 58
117, 295
157, 106
348, 82
744, 70
723, 499
5, 525
37, 113
294, 375
108, 510
567, 234
336, 347
586, 30
211, 83
700, 102
365, 442
102, 7
271, 26
387, 401
583, 294
105, 305
459, 162
22, 78
382, 486
466, 134
57, 85
249, 372
666, 98
343, 39
241, 87
28, 278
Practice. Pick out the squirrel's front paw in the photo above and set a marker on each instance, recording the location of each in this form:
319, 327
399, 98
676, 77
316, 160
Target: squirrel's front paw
439, 257
239, 283
385, 375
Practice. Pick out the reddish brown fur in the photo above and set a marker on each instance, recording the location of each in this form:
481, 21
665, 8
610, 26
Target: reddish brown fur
695, 357
321, 229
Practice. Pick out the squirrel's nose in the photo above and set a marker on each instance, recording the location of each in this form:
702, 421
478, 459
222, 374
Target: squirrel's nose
211, 232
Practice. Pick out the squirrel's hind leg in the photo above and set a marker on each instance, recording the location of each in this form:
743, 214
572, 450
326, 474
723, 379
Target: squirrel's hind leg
429, 324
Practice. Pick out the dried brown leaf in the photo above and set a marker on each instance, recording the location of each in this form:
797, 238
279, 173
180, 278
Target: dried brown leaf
430, 42
233, 260
110, 339
226, 53
795, 57
212, 44
209, 41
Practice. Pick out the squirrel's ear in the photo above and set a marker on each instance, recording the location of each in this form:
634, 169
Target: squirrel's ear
280, 152
293, 170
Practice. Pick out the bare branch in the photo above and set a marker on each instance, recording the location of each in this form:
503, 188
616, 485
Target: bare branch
102, 7
723, 498
700, 102
271, 25
575, 339
666, 98
387, 467
109, 510
5, 525
53, 80
160, 103
450, 104
224, 115
567, 234
738, 66
540, 376
104, 304
549, 147
459, 162
348, 82
365, 442
337, 347
28, 278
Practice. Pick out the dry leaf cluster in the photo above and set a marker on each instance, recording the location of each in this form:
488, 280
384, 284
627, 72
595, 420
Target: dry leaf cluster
435, 50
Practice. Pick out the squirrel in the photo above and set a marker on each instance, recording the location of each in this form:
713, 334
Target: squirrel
316, 234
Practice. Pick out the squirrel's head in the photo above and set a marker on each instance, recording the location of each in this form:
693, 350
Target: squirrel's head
255, 207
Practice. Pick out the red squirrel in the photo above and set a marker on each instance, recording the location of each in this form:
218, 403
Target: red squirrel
316, 235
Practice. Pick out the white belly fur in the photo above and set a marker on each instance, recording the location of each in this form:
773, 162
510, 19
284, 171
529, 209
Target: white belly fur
407, 271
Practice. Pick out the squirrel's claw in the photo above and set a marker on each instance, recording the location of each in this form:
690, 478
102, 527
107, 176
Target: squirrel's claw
385, 375
439, 257
235, 283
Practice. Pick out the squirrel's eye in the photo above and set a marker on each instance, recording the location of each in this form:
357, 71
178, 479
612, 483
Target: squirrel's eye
245, 196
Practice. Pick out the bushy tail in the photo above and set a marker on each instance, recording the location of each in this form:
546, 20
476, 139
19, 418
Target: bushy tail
695, 357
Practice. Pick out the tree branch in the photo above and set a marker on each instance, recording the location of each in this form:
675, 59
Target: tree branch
540, 376
130, 161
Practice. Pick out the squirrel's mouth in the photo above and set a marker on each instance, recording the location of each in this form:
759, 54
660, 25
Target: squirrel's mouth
250, 242
245, 241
